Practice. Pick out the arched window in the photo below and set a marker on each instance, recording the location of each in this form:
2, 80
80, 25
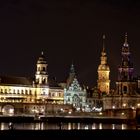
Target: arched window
38, 68
43, 69
26, 92
125, 89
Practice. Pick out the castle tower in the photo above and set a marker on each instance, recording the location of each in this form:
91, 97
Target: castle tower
125, 84
103, 81
41, 76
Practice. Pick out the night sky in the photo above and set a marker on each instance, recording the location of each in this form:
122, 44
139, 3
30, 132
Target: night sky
67, 30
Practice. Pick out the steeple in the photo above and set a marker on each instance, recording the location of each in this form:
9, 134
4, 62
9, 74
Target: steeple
125, 82
103, 43
103, 53
72, 75
103, 72
126, 42
72, 70
126, 67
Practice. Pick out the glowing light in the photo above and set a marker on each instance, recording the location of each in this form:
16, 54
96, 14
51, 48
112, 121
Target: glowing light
69, 126
86, 127
133, 107
113, 126
113, 107
11, 110
100, 125
94, 126
124, 105
100, 113
69, 112
122, 113
123, 126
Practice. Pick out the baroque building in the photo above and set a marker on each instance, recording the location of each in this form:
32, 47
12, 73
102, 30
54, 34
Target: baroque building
74, 94
29, 95
103, 81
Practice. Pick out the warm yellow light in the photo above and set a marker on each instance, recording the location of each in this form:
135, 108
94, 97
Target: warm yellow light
113, 107
100, 113
122, 113
124, 105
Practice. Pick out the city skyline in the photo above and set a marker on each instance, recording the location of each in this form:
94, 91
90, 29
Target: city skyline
67, 31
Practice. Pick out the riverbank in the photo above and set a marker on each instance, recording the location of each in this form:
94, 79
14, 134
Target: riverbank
66, 119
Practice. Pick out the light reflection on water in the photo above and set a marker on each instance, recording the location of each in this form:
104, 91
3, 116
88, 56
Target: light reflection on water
65, 126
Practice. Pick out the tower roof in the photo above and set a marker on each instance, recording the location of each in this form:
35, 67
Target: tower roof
126, 41
41, 59
103, 51
72, 75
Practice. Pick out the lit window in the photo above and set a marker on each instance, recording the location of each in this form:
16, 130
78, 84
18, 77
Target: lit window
5, 90
1, 90
30, 92
22, 91
26, 91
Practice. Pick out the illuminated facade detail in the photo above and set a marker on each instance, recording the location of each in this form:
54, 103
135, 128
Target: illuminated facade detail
41, 76
126, 84
103, 72
127, 93
94, 100
29, 95
73, 92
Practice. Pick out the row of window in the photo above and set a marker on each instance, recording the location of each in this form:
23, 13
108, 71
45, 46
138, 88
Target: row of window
55, 95
27, 92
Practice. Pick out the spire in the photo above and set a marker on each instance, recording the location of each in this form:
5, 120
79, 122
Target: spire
72, 70
42, 53
103, 51
126, 41
103, 43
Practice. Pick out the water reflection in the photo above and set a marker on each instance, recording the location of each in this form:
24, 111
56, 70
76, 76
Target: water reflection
66, 126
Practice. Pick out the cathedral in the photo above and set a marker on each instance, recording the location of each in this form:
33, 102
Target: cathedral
126, 94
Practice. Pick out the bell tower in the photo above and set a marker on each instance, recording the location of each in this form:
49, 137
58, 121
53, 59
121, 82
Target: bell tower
41, 76
126, 83
103, 81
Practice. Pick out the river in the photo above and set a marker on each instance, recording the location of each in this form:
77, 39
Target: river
65, 126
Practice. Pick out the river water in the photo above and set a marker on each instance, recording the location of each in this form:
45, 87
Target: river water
65, 126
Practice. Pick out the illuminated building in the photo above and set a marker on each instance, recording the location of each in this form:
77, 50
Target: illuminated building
103, 81
29, 95
127, 93
74, 94
126, 84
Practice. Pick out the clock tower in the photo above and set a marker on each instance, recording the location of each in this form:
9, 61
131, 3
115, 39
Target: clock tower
103, 81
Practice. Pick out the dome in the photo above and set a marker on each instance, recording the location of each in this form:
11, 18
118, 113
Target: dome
103, 67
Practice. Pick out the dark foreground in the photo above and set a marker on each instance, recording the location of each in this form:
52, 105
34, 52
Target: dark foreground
70, 134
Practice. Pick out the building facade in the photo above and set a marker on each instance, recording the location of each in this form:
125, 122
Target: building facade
126, 94
29, 95
74, 94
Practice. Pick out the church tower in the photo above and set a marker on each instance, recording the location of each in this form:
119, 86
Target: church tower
41, 76
126, 83
103, 81
72, 75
